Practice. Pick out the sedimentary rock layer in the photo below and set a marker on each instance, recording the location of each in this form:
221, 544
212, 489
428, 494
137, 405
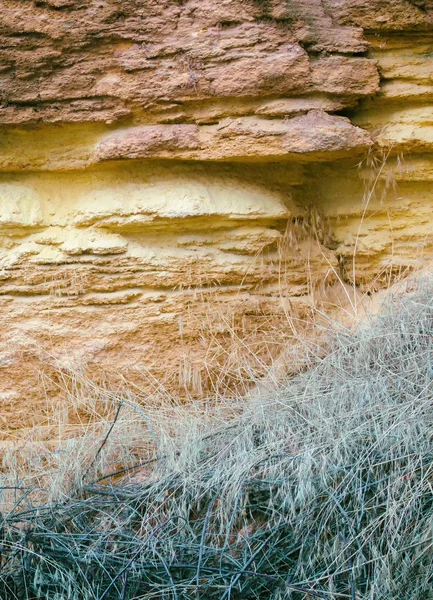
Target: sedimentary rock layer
180, 179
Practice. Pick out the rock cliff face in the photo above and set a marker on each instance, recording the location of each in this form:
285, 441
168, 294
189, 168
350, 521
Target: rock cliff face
174, 172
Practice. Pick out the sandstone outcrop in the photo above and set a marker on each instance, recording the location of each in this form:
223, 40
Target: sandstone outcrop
178, 178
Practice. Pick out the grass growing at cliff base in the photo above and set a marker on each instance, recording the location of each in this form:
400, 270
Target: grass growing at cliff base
320, 490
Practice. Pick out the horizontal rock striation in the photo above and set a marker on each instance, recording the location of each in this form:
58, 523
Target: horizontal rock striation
180, 179
391, 229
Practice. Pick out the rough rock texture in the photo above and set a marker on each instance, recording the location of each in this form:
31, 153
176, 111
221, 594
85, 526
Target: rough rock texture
178, 178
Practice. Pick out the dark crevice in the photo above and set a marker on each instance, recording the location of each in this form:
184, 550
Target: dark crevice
229, 24
425, 6
66, 7
284, 22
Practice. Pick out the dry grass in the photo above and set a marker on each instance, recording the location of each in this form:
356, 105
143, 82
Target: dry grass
322, 489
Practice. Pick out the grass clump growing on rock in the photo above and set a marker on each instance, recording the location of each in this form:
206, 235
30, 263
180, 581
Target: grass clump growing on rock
321, 490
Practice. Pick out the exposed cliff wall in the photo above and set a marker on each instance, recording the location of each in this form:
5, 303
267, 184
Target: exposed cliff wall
173, 169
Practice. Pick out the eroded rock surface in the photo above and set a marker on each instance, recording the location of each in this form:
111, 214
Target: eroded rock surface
178, 179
